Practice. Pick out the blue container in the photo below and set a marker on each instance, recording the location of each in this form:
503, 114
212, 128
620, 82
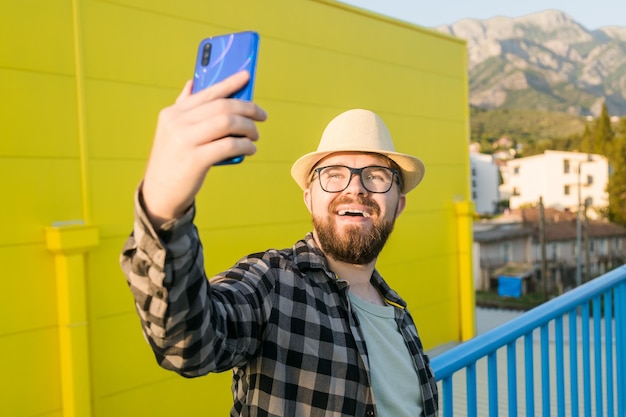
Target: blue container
509, 286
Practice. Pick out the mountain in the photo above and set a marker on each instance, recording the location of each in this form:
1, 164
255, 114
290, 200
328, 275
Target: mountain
544, 61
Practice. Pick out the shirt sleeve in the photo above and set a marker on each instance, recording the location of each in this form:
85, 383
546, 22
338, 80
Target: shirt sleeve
192, 326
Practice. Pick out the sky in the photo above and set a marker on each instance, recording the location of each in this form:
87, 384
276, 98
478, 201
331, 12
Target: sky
591, 14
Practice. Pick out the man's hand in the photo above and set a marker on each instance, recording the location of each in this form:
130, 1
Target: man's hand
195, 133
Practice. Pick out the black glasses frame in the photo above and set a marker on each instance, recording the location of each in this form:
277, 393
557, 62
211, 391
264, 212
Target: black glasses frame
395, 175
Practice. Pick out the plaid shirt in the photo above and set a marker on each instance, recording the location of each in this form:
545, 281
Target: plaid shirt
280, 319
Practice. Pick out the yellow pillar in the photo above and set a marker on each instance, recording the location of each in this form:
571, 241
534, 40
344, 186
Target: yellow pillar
464, 211
69, 244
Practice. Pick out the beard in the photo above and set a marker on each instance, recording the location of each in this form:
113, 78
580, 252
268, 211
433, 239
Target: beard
353, 246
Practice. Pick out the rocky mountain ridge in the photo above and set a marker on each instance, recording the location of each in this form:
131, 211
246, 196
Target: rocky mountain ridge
546, 61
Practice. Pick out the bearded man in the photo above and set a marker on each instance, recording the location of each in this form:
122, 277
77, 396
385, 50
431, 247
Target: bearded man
312, 330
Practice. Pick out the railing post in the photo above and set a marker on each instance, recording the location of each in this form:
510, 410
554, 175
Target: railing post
560, 367
448, 403
512, 380
529, 374
597, 352
608, 348
573, 360
69, 245
586, 361
620, 354
472, 404
492, 371
546, 398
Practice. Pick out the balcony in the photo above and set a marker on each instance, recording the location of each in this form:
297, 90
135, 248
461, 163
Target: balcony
566, 357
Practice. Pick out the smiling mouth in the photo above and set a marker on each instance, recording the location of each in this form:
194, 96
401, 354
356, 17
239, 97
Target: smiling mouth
353, 213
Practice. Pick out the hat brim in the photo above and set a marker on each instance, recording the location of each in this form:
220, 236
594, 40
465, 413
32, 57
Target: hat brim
411, 168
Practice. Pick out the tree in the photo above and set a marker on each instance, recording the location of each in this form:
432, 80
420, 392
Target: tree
620, 129
598, 135
617, 181
617, 185
604, 135
588, 139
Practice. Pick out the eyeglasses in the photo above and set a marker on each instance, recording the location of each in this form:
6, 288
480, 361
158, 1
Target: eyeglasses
375, 179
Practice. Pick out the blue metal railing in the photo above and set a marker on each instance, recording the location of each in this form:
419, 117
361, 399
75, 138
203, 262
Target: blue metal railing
566, 379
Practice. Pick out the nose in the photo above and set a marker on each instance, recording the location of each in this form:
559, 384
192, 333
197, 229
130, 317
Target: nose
355, 186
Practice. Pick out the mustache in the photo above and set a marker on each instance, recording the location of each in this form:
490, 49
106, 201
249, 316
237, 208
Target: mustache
359, 199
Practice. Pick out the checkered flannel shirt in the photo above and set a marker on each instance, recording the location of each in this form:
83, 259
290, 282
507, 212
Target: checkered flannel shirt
280, 319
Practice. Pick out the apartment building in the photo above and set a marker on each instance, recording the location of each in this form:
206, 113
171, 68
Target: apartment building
485, 177
563, 179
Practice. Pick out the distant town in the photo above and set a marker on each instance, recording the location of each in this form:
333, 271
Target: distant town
541, 216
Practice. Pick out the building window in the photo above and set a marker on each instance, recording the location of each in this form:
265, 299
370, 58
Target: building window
515, 191
566, 190
566, 166
602, 247
516, 170
506, 252
473, 172
474, 196
589, 179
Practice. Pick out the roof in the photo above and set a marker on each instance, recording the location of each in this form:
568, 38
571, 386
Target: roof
500, 234
558, 225
513, 269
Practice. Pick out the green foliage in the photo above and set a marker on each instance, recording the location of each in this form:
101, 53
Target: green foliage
532, 131
493, 300
603, 138
588, 138
617, 182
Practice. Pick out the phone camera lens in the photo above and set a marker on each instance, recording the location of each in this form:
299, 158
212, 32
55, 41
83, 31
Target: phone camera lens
206, 54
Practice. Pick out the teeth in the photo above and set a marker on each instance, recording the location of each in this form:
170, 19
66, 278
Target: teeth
353, 213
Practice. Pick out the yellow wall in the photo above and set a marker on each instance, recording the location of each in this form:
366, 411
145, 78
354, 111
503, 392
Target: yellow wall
81, 83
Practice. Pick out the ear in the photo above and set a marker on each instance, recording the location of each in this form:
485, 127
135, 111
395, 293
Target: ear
307, 198
401, 204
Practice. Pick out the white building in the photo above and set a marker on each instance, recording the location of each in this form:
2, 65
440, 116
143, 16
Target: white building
485, 181
563, 179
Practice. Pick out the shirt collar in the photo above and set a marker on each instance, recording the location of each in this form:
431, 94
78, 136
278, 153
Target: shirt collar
385, 290
309, 256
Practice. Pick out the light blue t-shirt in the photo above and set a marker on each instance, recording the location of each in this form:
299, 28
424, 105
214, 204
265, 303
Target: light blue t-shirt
394, 379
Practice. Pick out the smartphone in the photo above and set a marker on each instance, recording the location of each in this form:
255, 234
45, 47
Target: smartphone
222, 56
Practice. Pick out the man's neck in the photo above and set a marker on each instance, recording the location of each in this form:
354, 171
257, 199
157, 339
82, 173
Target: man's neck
358, 276
354, 274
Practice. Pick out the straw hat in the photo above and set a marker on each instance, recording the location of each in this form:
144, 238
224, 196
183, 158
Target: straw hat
358, 130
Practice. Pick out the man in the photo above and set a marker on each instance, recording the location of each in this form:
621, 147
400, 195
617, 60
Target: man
311, 330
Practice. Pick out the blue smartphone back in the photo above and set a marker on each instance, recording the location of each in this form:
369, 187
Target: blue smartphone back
222, 56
